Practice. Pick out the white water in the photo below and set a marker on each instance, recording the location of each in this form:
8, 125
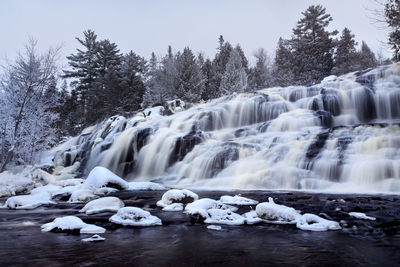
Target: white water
272, 139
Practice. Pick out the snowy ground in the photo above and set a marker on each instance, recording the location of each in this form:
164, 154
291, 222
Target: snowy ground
189, 241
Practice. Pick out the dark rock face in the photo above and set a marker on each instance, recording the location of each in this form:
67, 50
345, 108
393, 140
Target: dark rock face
325, 117
315, 148
366, 109
184, 145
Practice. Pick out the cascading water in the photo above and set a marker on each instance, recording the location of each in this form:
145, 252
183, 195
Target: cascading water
341, 135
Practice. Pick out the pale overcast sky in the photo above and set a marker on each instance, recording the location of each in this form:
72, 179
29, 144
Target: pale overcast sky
152, 25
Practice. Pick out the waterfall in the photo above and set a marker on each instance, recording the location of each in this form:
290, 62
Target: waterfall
341, 135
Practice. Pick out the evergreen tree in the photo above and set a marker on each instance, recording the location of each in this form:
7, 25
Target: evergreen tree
366, 58
132, 82
190, 80
219, 65
346, 58
84, 71
235, 77
312, 46
282, 69
209, 91
260, 76
392, 14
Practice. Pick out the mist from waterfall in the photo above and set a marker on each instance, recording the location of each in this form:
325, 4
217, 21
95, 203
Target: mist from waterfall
340, 135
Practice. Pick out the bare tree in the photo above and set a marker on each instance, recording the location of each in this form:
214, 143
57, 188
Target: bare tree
24, 81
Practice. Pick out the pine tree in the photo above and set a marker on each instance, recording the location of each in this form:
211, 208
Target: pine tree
392, 14
235, 77
209, 91
366, 58
190, 82
282, 69
219, 65
260, 76
345, 59
132, 82
84, 70
312, 46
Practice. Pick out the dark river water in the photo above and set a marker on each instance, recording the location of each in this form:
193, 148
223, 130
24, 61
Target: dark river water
182, 241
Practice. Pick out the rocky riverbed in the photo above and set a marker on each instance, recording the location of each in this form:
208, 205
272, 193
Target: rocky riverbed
183, 240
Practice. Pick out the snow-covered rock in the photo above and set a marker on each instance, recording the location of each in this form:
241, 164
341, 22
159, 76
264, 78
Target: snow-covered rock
360, 215
103, 191
102, 177
146, 186
237, 200
70, 182
311, 222
11, 184
219, 216
201, 207
177, 196
47, 189
173, 207
214, 227
103, 204
251, 217
132, 216
82, 195
94, 238
176, 105
277, 214
70, 223
28, 201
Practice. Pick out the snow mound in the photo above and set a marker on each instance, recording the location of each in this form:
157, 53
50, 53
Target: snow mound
94, 238
50, 189
145, 186
82, 195
11, 184
132, 216
360, 215
103, 191
70, 223
311, 222
277, 214
214, 227
201, 207
177, 196
102, 177
173, 207
251, 217
219, 216
103, 204
237, 200
28, 201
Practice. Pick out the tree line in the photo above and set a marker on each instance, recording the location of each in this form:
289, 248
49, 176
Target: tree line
40, 107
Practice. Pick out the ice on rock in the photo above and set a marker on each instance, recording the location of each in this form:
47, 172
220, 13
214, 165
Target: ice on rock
70, 223
360, 215
251, 217
177, 196
201, 207
28, 201
132, 216
102, 177
70, 182
277, 214
94, 238
219, 216
146, 186
82, 195
311, 222
173, 207
103, 204
237, 200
